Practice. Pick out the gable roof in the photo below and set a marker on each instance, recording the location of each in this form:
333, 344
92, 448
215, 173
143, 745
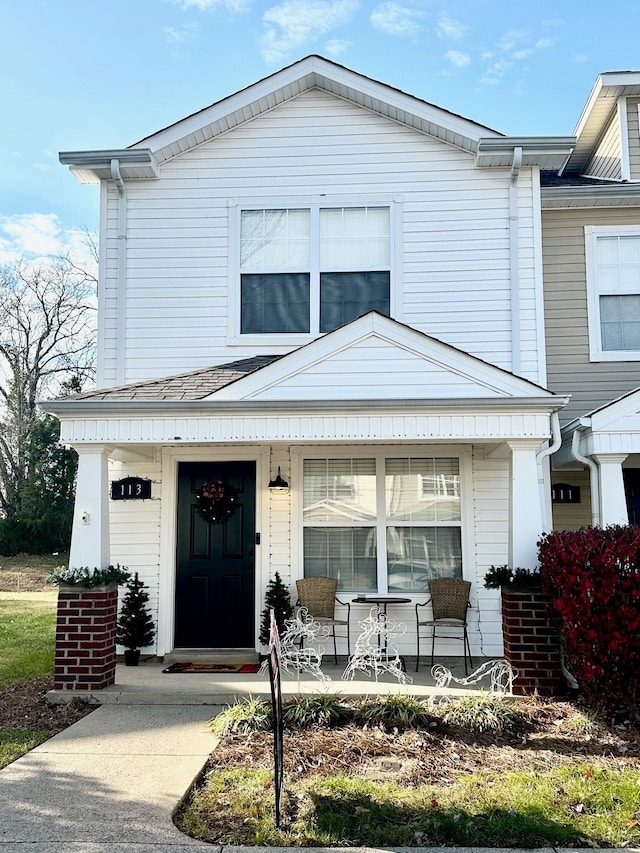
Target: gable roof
602, 101
373, 357
371, 361
144, 158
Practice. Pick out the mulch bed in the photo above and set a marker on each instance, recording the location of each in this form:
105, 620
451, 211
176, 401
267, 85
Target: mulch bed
24, 706
441, 754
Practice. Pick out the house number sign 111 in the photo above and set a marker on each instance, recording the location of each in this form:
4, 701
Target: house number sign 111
131, 489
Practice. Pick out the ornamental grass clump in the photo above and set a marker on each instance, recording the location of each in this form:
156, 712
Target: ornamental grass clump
251, 715
327, 710
482, 713
592, 578
393, 712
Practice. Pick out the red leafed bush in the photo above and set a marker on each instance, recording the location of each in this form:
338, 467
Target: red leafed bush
592, 577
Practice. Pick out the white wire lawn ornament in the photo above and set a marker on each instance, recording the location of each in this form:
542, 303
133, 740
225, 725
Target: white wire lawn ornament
374, 653
500, 673
299, 647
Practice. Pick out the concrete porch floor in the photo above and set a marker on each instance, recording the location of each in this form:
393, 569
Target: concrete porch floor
146, 684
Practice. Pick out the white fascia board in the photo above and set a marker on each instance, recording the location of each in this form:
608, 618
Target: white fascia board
497, 381
548, 152
104, 410
307, 74
94, 166
608, 80
593, 195
607, 418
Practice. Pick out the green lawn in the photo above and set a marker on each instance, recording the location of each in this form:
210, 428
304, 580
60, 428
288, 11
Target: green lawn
27, 639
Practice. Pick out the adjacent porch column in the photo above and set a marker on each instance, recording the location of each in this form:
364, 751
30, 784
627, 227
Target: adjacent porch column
613, 502
90, 536
525, 510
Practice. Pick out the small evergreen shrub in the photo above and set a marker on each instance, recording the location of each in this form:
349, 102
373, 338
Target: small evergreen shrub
517, 580
277, 598
393, 712
135, 628
251, 715
592, 578
482, 713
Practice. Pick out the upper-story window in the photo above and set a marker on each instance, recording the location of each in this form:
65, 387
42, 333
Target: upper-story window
310, 270
613, 292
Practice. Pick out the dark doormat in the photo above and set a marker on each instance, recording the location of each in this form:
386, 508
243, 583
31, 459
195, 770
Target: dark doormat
187, 666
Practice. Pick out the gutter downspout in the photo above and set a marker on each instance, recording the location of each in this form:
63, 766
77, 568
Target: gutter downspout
122, 271
593, 471
514, 260
556, 441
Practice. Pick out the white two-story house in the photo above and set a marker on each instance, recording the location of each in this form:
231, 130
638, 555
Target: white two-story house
324, 281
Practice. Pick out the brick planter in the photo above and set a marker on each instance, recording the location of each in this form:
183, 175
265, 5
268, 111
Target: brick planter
86, 637
531, 644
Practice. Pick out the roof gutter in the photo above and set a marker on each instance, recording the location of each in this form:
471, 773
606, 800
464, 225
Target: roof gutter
594, 480
122, 269
514, 259
556, 443
73, 408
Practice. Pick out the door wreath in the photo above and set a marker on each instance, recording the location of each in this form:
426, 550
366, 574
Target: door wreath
216, 501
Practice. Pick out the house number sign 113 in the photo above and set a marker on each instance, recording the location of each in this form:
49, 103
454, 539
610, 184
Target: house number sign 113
131, 489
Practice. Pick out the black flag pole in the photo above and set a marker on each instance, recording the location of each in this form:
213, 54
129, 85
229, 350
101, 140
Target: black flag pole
276, 705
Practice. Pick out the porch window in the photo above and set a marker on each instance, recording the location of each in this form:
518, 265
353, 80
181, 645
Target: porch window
382, 524
310, 270
613, 287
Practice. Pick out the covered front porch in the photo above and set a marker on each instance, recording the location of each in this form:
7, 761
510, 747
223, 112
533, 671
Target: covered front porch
147, 684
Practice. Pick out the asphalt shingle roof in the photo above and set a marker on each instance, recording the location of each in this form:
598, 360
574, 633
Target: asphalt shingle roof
195, 385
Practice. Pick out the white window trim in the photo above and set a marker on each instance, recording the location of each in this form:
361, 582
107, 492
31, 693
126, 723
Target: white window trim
283, 343
591, 234
461, 452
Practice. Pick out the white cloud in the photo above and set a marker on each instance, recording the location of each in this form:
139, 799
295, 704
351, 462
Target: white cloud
293, 23
514, 46
511, 39
203, 5
449, 28
396, 19
336, 47
36, 237
177, 36
458, 58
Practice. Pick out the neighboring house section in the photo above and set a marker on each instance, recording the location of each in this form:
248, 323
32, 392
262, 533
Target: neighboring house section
326, 278
591, 250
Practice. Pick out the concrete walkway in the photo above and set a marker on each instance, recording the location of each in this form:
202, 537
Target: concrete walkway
109, 783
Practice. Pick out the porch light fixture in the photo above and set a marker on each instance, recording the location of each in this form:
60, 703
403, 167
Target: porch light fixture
278, 484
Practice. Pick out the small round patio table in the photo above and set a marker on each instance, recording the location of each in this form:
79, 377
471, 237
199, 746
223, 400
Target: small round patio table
382, 602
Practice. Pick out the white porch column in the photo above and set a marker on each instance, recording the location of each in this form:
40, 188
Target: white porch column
525, 509
613, 502
90, 536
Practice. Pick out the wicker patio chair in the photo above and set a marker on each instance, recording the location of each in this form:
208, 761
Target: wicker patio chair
449, 599
318, 596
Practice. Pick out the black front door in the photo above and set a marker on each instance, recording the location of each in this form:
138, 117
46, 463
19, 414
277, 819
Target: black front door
215, 563
632, 492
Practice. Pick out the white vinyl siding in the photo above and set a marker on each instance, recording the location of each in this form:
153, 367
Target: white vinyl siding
606, 161
135, 530
452, 251
591, 384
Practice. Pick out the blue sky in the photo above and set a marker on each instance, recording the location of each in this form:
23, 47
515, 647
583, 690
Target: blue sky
77, 74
